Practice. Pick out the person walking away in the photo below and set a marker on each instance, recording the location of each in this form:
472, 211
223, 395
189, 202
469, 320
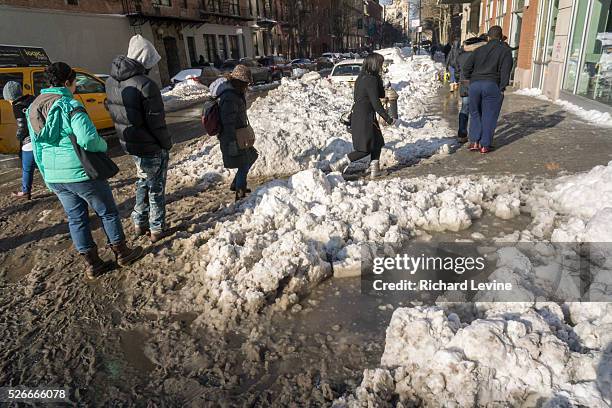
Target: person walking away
53, 117
470, 45
415, 51
451, 64
12, 93
231, 92
365, 130
137, 109
488, 70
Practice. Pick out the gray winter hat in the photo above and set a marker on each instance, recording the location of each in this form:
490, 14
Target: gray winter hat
11, 91
143, 51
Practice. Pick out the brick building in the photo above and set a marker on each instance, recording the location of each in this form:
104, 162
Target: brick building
565, 46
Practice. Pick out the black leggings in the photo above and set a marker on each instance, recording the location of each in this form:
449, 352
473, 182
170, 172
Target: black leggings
356, 155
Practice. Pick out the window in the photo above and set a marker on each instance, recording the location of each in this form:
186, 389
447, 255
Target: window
72, 2
255, 44
86, 84
223, 52
347, 70
167, 3
235, 51
192, 50
573, 56
10, 76
40, 82
210, 47
595, 75
234, 7
501, 12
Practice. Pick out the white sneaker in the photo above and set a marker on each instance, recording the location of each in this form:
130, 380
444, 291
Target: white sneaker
341, 165
375, 169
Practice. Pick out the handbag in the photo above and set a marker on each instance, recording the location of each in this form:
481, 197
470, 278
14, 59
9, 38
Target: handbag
245, 137
97, 165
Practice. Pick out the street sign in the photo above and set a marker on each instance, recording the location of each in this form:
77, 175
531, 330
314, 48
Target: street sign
415, 23
18, 56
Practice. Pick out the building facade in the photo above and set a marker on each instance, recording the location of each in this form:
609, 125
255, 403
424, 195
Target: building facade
565, 46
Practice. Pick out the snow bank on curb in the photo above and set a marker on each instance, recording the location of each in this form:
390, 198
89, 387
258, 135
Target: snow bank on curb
184, 94
289, 234
297, 127
592, 116
572, 208
506, 357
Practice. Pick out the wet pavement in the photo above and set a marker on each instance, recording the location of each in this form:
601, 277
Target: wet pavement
533, 138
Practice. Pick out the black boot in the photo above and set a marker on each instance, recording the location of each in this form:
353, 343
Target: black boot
125, 255
242, 193
95, 265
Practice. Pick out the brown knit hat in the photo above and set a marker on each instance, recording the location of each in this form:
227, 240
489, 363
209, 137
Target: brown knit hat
242, 73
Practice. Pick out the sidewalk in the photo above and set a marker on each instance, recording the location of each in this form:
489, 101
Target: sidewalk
533, 138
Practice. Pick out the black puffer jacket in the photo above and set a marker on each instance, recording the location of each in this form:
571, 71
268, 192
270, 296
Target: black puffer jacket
20, 105
233, 115
137, 109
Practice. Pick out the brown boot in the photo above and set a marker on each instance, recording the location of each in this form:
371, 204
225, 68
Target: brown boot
125, 255
95, 265
241, 193
158, 235
141, 230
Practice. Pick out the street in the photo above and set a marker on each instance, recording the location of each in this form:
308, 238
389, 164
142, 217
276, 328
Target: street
244, 304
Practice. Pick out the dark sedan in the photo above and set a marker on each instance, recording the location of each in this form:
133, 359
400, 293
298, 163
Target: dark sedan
279, 66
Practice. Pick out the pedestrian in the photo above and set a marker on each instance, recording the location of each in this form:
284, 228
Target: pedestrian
137, 109
13, 94
201, 61
231, 93
53, 117
446, 50
451, 64
415, 50
470, 45
366, 134
217, 62
488, 70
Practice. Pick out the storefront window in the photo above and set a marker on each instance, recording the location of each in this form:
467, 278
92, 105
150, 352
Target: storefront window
595, 78
573, 57
551, 29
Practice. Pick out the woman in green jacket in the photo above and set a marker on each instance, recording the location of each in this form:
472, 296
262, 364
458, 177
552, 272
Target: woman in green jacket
52, 118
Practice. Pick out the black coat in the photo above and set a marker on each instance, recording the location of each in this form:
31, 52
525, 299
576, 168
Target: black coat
491, 62
20, 105
462, 58
367, 136
233, 115
137, 109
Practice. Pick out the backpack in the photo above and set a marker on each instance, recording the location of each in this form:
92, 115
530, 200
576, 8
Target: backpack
211, 118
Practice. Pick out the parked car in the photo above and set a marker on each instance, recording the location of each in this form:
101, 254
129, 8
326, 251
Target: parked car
334, 56
346, 71
279, 66
204, 75
26, 65
260, 73
304, 63
324, 63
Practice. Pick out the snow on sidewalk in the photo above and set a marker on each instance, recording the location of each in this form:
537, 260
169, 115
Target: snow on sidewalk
298, 127
594, 117
516, 355
286, 236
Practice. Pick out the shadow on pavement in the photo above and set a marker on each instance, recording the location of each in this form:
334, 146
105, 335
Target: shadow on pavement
517, 125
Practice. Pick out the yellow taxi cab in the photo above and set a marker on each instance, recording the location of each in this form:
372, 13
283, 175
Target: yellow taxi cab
26, 65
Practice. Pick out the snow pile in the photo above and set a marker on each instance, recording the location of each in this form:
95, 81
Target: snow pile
592, 116
520, 355
298, 127
574, 208
290, 235
184, 94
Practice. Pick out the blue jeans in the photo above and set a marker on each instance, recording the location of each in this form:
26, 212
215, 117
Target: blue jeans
464, 115
485, 105
76, 198
240, 179
27, 175
150, 205
451, 70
